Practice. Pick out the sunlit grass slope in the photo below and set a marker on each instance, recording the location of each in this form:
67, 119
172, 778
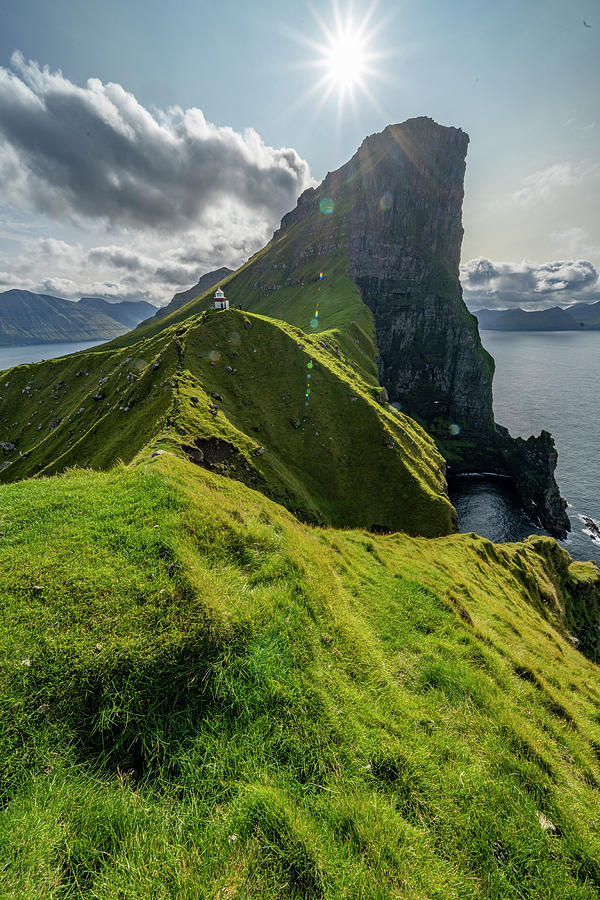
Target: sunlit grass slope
204, 698
283, 411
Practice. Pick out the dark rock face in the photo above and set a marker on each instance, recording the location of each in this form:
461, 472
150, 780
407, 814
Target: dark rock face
404, 238
432, 362
403, 192
405, 235
532, 465
401, 196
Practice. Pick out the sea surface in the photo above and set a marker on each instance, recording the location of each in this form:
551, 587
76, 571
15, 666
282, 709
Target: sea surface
14, 356
544, 380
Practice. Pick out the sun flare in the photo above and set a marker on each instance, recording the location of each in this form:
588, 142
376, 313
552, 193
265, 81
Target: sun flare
346, 60
344, 54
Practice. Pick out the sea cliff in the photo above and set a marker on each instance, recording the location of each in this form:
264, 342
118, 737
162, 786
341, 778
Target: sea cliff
399, 202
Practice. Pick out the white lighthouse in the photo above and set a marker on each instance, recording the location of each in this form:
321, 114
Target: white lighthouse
221, 301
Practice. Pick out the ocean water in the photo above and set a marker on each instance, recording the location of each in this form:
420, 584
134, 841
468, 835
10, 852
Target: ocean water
547, 380
13, 356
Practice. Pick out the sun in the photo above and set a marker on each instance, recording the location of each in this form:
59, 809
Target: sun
346, 60
344, 55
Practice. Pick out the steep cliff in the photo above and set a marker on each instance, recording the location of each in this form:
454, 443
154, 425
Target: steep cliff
398, 204
405, 234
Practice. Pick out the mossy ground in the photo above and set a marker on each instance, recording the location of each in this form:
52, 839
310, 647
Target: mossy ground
204, 698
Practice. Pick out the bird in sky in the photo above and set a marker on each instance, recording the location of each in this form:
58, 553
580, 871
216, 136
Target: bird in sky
586, 24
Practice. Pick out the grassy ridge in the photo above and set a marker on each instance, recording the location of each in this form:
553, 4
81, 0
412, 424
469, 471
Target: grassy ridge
296, 419
203, 697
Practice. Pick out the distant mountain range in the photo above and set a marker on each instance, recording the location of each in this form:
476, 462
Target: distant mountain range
28, 318
578, 317
204, 284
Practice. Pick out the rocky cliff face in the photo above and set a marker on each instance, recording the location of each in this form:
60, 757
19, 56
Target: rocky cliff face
402, 196
405, 234
400, 199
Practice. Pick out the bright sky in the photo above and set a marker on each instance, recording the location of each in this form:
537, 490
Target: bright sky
120, 187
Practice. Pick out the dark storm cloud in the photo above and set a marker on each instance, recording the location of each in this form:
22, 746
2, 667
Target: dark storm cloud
94, 151
525, 284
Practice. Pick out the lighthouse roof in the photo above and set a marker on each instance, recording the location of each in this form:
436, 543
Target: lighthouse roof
219, 293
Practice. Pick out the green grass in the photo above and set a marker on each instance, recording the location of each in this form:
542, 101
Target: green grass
322, 455
204, 698
205, 695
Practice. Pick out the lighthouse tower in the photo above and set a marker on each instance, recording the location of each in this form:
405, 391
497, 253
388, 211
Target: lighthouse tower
221, 301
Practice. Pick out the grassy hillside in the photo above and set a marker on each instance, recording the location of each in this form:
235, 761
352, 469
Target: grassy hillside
302, 269
282, 411
204, 698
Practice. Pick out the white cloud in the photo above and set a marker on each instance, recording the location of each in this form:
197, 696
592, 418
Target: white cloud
95, 152
9, 280
153, 199
142, 266
527, 284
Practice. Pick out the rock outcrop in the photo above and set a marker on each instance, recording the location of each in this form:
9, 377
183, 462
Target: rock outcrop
532, 464
405, 234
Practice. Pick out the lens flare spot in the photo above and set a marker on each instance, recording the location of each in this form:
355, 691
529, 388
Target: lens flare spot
314, 323
309, 376
397, 405
320, 276
309, 365
327, 206
385, 202
454, 429
234, 338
